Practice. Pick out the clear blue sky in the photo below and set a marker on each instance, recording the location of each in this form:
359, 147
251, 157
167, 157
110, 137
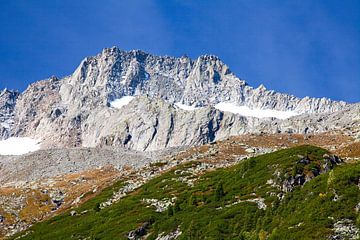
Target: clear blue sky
303, 47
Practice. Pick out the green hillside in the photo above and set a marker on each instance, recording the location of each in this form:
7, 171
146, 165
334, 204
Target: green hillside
246, 201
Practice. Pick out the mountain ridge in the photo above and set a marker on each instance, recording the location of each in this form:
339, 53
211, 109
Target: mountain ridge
70, 111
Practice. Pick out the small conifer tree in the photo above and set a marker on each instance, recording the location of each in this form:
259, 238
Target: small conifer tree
219, 192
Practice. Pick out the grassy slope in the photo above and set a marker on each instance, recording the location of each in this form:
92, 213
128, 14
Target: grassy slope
198, 216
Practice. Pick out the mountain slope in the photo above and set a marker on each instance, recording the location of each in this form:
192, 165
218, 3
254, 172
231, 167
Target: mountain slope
297, 193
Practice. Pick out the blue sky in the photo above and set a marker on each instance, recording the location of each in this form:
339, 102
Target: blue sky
303, 47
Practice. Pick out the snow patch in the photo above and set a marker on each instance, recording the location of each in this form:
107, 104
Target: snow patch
185, 107
119, 103
4, 125
256, 112
18, 146
123, 80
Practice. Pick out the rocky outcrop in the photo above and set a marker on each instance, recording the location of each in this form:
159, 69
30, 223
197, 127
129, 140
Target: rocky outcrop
345, 229
170, 236
7, 106
302, 173
139, 232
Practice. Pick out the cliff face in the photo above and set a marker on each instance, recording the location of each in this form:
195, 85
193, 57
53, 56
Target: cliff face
76, 111
201, 82
7, 106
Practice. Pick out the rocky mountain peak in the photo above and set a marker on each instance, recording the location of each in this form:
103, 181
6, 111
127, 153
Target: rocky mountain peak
261, 88
176, 102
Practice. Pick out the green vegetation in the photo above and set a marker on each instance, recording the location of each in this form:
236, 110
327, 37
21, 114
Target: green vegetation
219, 192
221, 206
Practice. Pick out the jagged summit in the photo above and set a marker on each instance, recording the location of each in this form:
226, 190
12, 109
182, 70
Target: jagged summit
200, 82
8, 91
170, 102
262, 87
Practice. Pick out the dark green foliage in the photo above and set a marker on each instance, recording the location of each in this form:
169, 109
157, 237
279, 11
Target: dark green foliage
170, 211
97, 207
192, 200
177, 207
217, 207
192, 231
219, 192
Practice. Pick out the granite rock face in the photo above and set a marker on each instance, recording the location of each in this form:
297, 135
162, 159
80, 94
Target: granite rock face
7, 106
75, 111
201, 82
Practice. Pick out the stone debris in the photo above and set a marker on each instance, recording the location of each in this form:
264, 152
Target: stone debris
250, 150
130, 186
357, 207
160, 205
169, 236
345, 230
139, 232
57, 197
296, 226
50, 163
259, 201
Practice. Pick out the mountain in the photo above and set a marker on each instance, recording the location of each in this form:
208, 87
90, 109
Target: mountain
168, 94
138, 146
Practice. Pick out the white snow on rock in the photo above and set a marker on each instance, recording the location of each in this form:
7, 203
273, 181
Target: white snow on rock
119, 103
18, 146
4, 125
185, 107
256, 112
